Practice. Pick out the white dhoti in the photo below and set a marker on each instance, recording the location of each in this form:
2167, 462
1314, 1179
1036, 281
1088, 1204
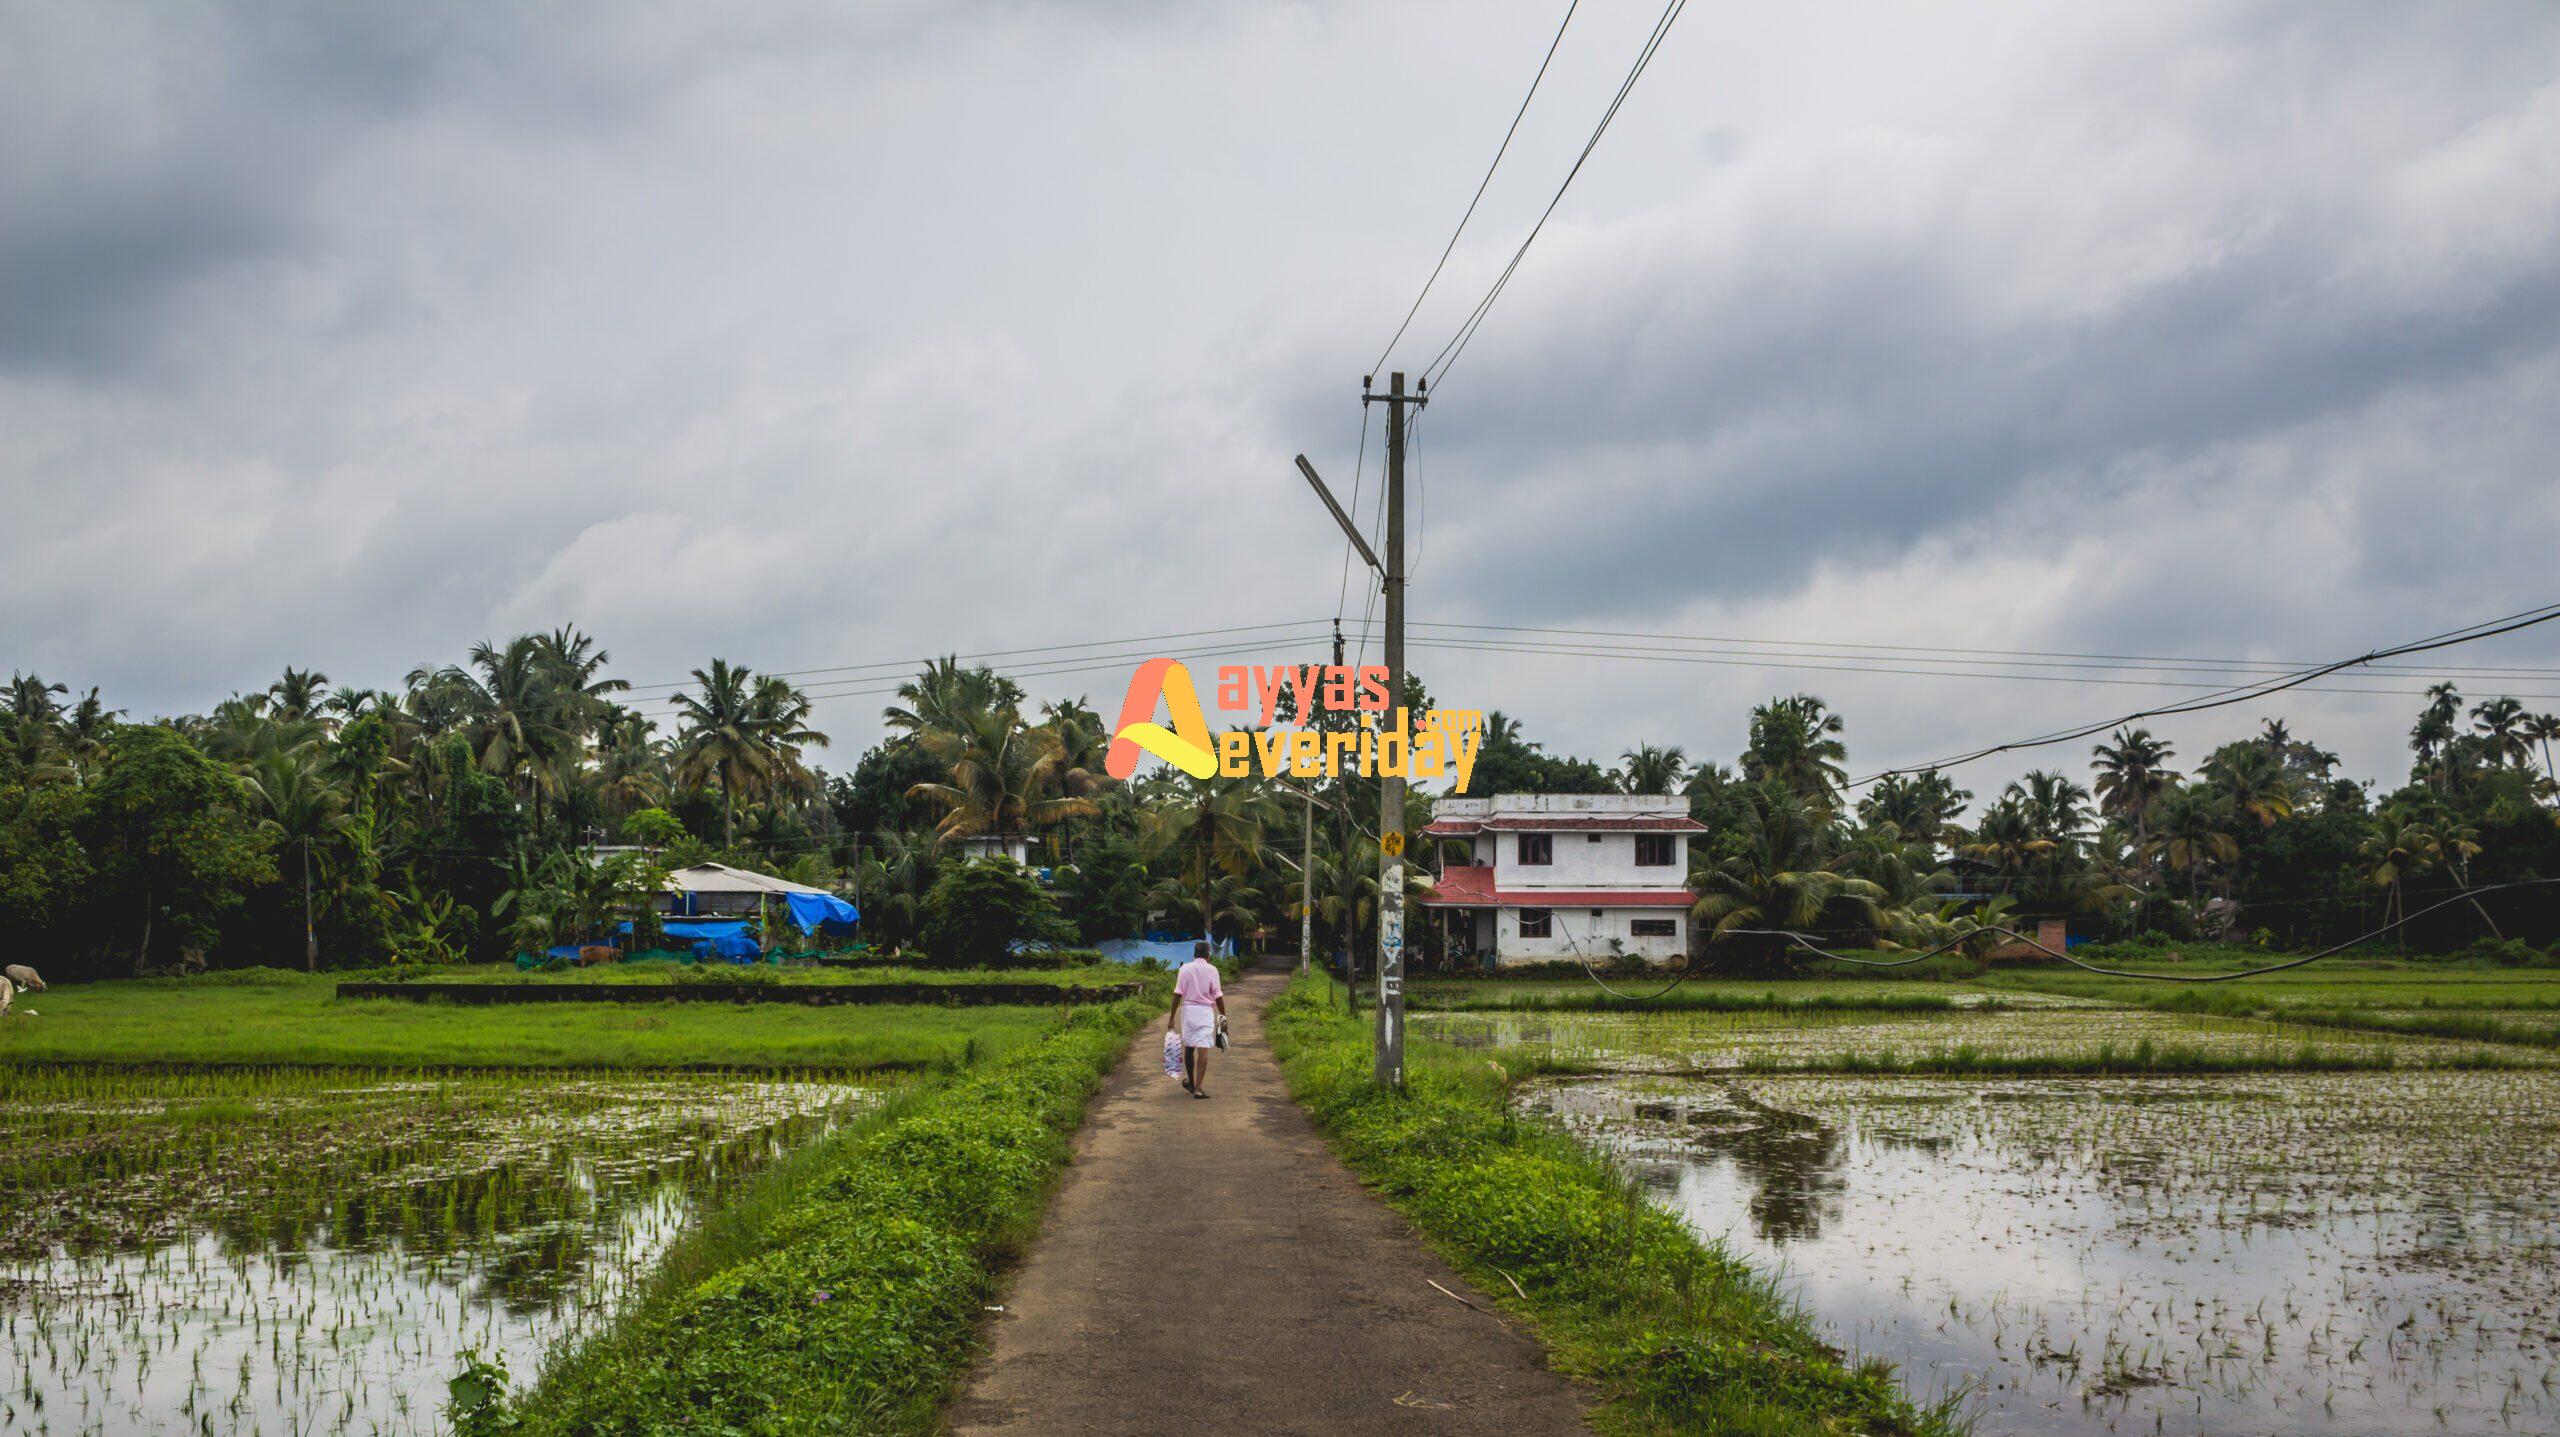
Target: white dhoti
1199, 1025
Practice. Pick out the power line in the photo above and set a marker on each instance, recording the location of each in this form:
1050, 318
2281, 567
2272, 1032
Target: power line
881, 684
2138, 660
997, 653
1438, 370
2471, 633
1843, 664
1381, 366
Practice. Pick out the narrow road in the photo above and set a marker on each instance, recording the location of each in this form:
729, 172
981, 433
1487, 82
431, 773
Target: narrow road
1209, 1266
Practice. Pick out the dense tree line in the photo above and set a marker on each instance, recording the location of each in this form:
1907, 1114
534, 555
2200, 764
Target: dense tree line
460, 817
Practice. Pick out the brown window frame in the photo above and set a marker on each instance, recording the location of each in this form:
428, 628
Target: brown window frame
1670, 928
1542, 844
1545, 920
1667, 844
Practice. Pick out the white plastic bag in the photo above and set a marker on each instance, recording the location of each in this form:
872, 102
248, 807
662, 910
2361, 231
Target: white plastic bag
1173, 1055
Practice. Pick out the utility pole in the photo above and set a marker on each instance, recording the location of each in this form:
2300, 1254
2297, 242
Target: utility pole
1391, 837
1307, 890
310, 932
1350, 889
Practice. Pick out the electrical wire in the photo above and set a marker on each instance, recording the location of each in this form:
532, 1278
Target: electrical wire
1381, 366
992, 653
2471, 633
1437, 372
1780, 661
1972, 654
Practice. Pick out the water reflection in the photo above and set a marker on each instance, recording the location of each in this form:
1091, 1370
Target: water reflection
2371, 1253
311, 1253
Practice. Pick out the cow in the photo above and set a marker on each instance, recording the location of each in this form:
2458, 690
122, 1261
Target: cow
595, 953
8, 995
24, 976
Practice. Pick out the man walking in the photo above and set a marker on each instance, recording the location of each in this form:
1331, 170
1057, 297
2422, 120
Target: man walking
1199, 1010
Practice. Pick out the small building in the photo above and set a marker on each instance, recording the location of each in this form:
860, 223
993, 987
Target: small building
709, 888
1565, 876
974, 846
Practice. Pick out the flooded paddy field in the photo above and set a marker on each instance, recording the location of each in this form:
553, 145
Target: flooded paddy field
2051, 1038
313, 1251
2370, 1252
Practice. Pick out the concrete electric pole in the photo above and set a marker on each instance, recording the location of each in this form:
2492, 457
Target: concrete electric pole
1391, 836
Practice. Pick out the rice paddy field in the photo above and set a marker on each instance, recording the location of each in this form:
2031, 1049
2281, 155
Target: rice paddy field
244, 1206
2325, 1202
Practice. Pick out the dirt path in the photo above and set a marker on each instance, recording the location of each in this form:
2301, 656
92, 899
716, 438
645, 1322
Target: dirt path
1209, 1267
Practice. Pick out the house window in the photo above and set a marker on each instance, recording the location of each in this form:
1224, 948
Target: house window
1536, 923
1655, 850
1537, 850
1653, 927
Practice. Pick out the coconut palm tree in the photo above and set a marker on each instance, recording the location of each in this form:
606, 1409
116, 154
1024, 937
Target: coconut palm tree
1216, 900
940, 696
895, 873
2010, 839
2431, 738
296, 800
573, 668
630, 764
2192, 832
2254, 780
2403, 845
2056, 807
720, 740
781, 715
1922, 806
1209, 826
34, 729
2133, 773
299, 695
1005, 778
1796, 740
1778, 874
2543, 728
84, 734
2505, 726
1647, 768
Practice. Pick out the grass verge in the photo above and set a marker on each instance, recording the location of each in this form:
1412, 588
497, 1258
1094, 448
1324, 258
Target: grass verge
840, 1291
273, 1019
1677, 1336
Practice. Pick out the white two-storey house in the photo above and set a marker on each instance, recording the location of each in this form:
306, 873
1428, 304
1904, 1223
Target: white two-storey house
1565, 875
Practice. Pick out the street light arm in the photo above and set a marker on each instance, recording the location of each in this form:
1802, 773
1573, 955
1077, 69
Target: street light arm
1367, 555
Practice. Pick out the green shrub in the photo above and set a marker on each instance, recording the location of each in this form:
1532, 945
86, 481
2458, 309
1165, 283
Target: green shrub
977, 914
840, 1292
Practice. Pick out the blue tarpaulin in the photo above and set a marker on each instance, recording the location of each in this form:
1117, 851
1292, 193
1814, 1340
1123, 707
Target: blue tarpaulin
1172, 953
810, 910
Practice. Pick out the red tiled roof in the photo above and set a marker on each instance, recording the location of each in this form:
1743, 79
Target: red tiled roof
1473, 888
1562, 823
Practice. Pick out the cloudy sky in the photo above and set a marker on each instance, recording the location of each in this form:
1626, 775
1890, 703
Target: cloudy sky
822, 336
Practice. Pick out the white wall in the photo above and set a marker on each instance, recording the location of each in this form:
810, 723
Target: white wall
1574, 933
1580, 862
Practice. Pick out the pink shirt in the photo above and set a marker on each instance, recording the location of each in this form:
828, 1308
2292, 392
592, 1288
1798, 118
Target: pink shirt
1198, 982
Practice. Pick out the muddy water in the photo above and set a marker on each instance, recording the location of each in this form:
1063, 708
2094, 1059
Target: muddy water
2348, 1253
301, 1254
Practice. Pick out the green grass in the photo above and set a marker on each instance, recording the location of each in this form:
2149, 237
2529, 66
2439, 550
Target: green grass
840, 1291
663, 973
1695, 996
1676, 1335
270, 1018
2415, 998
